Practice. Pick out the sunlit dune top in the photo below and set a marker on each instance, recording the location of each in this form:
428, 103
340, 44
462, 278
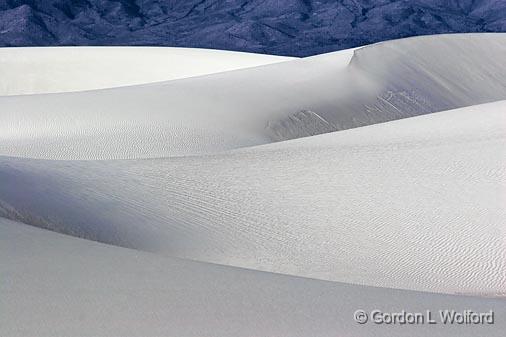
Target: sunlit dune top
65, 69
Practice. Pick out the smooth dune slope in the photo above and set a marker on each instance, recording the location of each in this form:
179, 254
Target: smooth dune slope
55, 285
38, 70
416, 203
218, 112
213, 205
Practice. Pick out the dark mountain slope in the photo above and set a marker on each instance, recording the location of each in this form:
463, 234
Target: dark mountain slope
286, 27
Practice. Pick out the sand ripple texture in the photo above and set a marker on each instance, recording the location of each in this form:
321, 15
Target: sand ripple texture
255, 195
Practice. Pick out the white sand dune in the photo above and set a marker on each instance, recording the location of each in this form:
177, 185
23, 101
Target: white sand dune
55, 285
186, 181
413, 204
37, 70
256, 106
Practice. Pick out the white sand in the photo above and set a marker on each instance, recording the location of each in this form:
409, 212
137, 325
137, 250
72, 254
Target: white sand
416, 203
36, 70
340, 206
256, 106
55, 285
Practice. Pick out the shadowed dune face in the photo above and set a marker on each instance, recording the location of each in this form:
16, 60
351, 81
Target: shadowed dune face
340, 206
428, 74
59, 285
406, 78
247, 107
406, 189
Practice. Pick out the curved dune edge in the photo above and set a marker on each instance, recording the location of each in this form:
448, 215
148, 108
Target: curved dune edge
341, 206
43, 70
62, 286
248, 107
230, 170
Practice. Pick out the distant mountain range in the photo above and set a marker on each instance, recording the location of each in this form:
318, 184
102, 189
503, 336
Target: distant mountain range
283, 27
